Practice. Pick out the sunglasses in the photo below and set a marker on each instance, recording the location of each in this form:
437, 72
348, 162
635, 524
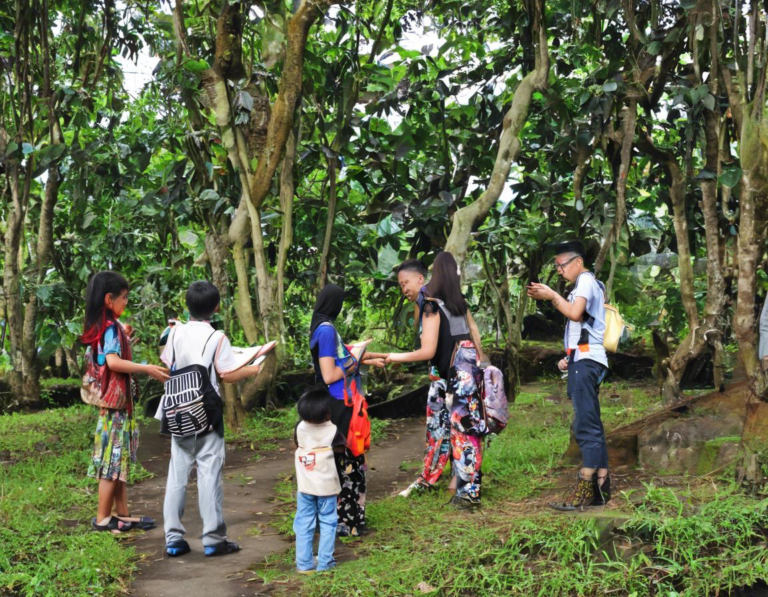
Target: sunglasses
562, 266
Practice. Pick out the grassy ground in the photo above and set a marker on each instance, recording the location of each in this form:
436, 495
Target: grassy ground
46, 501
692, 539
696, 539
263, 429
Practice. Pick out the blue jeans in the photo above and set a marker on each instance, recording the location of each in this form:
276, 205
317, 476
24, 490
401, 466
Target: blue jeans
310, 508
584, 379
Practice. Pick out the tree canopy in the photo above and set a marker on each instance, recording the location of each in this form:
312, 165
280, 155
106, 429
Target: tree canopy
281, 145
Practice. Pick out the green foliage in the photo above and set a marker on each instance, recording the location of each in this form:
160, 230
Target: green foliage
46, 546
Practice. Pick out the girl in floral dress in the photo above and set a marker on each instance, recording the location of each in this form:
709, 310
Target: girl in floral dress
117, 435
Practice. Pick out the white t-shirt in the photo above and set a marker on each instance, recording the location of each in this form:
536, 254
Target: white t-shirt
188, 341
593, 322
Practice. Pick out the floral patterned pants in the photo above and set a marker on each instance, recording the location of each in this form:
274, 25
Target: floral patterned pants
455, 426
350, 507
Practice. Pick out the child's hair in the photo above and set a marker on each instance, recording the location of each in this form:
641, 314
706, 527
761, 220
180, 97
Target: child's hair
314, 405
202, 299
412, 265
96, 314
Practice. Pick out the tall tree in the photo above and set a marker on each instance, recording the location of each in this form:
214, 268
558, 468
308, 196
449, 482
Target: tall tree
467, 218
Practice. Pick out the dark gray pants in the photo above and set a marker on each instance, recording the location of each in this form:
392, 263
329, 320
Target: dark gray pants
584, 379
207, 451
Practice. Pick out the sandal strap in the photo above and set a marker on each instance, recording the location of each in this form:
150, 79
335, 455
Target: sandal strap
114, 524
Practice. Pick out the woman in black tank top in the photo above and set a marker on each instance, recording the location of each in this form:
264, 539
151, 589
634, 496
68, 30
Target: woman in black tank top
455, 415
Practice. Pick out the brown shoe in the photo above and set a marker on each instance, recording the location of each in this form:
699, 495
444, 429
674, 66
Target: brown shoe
582, 495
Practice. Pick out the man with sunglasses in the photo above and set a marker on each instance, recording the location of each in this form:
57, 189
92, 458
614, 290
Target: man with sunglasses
586, 363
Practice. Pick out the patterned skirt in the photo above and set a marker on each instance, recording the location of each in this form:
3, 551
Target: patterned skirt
115, 444
351, 502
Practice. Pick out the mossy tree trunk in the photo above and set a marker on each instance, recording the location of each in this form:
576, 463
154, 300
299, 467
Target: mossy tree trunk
466, 219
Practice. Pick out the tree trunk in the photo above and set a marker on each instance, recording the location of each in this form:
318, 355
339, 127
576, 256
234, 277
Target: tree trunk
513, 337
286, 232
11, 279
31, 365
281, 122
671, 369
73, 365
323, 272
264, 280
753, 211
628, 139
243, 306
752, 225
468, 217
716, 298
218, 253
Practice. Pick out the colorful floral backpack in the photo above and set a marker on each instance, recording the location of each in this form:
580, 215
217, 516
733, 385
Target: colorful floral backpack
495, 400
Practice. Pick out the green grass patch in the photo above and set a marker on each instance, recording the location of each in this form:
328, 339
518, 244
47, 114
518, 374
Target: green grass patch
264, 428
687, 542
46, 503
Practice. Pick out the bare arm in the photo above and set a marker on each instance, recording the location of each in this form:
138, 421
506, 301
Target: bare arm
330, 371
573, 311
241, 373
429, 333
121, 365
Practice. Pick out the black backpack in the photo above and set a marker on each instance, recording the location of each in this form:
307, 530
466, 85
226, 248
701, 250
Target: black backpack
190, 405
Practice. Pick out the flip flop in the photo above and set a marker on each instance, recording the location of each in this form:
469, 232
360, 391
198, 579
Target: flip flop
221, 549
145, 523
115, 526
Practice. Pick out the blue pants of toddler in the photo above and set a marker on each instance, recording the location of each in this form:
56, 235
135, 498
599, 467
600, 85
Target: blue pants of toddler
309, 510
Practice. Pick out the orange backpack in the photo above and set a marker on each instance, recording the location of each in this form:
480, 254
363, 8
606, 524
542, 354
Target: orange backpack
359, 434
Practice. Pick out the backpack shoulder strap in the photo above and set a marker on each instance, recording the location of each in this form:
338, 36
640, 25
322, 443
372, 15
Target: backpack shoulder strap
215, 353
172, 340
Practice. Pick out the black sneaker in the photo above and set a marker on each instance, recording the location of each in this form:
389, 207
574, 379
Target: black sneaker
221, 549
177, 548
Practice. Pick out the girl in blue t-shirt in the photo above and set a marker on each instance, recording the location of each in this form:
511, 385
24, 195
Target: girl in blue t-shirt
117, 434
327, 352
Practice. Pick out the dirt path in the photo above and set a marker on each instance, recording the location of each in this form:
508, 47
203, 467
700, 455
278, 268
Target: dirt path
248, 489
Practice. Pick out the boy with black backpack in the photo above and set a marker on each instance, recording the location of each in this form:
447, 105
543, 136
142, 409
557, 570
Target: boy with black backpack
192, 412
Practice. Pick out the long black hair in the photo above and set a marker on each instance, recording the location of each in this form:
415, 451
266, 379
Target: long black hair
445, 284
96, 313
